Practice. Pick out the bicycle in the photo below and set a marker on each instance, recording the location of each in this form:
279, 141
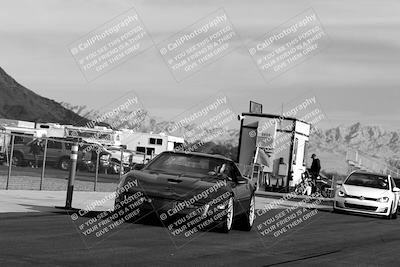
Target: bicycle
320, 186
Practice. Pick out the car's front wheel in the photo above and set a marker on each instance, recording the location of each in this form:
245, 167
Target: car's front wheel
247, 220
392, 215
226, 224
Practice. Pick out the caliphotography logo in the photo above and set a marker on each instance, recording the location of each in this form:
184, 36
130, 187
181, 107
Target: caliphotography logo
289, 44
199, 45
110, 45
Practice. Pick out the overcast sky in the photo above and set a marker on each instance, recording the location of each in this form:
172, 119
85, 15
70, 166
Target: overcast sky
355, 79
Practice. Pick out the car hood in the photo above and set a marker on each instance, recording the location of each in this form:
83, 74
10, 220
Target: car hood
178, 187
354, 190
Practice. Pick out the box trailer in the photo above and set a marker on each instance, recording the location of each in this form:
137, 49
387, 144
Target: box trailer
273, 150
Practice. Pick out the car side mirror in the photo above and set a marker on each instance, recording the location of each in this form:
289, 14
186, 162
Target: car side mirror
339, 183
396, 189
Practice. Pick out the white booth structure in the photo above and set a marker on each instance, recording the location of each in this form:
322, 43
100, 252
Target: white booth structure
273, 150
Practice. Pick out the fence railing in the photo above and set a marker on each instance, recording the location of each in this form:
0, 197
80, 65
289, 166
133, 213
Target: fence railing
42, 163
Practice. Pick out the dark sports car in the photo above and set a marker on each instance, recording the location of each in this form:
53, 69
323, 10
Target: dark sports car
198, 189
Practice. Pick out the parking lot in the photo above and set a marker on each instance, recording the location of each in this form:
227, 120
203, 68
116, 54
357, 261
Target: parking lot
329, 239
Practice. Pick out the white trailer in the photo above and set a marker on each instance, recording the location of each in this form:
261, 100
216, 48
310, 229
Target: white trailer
149, 144
274, 148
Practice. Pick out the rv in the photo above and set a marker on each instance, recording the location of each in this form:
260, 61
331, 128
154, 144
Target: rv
148, 145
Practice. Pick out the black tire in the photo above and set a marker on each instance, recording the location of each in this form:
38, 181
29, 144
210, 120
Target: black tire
324, 192
226, 224
394, 215
64, 163
246, 221
390, 216
17, 159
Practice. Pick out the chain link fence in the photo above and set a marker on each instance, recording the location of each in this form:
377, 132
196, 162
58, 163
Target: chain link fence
32, 163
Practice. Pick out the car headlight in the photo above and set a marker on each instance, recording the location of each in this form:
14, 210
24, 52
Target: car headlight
221, 206
383, 199
341, 193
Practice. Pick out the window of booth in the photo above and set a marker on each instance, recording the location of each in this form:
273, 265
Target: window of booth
305, 153
295, 147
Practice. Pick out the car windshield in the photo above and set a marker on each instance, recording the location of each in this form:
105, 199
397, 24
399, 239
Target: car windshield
368, 180
185, 163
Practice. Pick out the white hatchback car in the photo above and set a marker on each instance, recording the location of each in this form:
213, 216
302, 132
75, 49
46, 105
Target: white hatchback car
368, 193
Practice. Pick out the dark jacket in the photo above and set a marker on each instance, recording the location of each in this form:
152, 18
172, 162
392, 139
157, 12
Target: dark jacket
35, 148
315, 167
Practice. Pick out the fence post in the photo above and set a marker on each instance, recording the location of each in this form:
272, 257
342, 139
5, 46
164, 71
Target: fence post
97, 169
72, 172
121, 164
44, 163
10, 160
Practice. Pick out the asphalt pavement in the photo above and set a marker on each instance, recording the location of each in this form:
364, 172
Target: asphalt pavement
52, 238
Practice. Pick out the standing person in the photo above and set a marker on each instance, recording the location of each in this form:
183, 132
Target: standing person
35, 150
315, 166
315, 169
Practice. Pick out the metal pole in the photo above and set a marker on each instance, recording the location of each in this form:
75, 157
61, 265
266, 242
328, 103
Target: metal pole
72, 172
121, 165
6, 147
44, 164
10, 161
97, 170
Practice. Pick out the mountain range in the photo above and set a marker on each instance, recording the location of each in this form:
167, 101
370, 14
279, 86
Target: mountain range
331, 145
18, 102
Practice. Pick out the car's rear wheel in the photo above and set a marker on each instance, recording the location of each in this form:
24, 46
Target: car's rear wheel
226, 224
247, 220
64, 163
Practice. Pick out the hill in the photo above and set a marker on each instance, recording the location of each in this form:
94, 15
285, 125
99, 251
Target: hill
19, 103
